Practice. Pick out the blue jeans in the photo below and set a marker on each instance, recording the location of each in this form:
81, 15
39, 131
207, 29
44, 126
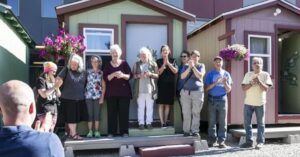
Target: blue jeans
217, 113
260, 117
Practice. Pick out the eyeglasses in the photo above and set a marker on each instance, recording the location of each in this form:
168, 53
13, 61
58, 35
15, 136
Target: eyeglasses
183, 56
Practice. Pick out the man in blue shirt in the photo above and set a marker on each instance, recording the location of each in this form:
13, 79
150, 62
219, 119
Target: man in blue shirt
218, 84
17, 138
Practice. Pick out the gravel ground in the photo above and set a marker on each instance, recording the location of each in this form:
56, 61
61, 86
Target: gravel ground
272, 148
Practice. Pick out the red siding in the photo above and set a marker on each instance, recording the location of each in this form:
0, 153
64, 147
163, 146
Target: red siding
201, 8
211, 8
298, 3
222, 6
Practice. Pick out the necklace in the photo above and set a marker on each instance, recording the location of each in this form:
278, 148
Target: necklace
74, 78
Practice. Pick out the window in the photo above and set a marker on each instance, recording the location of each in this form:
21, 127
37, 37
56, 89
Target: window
260, 46
98, 40
251, 2
15, 4
48, 7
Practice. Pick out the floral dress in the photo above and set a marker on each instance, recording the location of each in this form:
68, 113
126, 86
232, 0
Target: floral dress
94, 84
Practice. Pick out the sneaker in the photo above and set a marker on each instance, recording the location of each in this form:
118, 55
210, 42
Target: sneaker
90, 134
222, 145
110, 136
212, 144
246, 145
125, 135
196, 134
97, 134
149, 126
259, 146
141, 127
186, 134
163, 125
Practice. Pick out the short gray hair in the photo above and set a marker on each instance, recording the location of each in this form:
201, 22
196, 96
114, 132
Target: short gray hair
116, 48
76, 58
258, 59
148, 53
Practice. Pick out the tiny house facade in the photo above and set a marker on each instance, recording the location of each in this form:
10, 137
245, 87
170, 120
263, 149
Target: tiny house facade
15, 45
270, 30
130, 23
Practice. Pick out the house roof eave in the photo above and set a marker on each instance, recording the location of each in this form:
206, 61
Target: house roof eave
246, 10
14, 22
83, 4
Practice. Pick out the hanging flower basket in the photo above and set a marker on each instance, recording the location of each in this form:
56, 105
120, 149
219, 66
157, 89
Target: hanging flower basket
236, 52
61, 46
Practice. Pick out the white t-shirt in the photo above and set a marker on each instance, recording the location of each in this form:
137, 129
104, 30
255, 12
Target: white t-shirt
256, 96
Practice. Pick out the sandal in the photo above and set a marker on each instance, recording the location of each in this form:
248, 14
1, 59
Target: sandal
75, 137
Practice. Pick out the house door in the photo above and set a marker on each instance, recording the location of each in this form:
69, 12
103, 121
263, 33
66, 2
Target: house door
289, 65
140, 35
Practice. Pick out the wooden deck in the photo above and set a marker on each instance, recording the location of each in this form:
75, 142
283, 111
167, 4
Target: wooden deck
279, 132
151, 132
104, 143
117, 142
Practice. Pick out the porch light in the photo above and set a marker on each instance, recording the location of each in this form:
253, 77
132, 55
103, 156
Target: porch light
280, 39
277, 12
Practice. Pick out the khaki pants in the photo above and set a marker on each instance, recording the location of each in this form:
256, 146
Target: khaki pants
192, 102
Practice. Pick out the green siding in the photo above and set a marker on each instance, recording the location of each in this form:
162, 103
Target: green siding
14, 55
177, 39
109, 15
112, 15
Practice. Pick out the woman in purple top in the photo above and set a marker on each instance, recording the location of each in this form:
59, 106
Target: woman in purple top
116, 75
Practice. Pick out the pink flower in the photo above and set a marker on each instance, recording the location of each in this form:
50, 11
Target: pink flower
62, 45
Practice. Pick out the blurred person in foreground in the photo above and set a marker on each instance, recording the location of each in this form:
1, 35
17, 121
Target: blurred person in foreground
17, 138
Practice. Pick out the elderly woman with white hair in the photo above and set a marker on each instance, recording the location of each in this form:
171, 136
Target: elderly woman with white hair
73, 78
116, 75
145, 73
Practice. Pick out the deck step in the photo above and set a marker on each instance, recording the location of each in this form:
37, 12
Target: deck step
151, 132
164, 151
278, 132
117, 142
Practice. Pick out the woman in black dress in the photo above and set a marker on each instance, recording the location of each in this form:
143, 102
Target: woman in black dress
166, 84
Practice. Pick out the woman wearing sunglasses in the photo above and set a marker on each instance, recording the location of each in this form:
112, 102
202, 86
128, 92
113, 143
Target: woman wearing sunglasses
48, 90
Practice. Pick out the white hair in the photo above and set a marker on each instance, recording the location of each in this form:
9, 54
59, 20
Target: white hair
76, 58
147, 52
116, 48
258, 59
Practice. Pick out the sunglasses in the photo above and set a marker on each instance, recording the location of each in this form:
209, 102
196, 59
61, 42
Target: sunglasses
254, 63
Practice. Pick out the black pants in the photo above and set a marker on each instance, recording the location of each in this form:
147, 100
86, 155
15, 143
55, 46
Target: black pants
118, 108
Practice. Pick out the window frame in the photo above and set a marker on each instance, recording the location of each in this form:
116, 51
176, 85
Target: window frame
98, 51
42, 9
269, 53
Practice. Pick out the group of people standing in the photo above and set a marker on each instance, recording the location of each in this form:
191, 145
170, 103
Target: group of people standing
153, 81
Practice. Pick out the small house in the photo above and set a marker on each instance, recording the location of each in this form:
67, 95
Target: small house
130, 23
15, 46
270, 30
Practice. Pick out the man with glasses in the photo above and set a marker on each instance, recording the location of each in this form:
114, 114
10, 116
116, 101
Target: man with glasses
218, 83
255, 84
